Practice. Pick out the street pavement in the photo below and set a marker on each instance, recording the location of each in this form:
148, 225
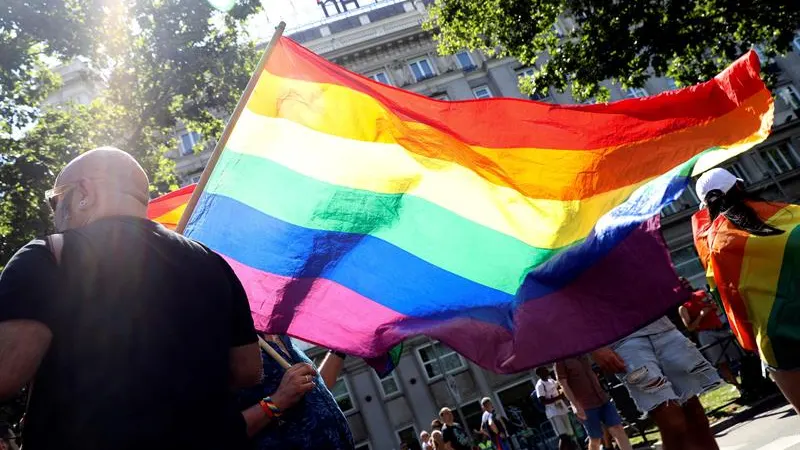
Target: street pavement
775, 429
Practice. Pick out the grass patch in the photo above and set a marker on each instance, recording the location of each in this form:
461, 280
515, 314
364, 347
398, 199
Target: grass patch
719, 404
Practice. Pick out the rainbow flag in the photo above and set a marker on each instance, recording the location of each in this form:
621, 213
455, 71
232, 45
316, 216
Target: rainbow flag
357, 214
168, 209
757, 279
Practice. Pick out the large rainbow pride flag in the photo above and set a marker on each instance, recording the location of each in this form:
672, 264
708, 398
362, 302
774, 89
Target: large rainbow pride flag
357, 214
757, 279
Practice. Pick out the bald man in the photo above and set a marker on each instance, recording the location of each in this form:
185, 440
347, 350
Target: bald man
132, 334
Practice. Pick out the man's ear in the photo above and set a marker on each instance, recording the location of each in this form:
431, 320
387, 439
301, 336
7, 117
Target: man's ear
87, 193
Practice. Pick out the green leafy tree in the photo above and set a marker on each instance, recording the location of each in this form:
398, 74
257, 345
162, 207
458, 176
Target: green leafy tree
625, 41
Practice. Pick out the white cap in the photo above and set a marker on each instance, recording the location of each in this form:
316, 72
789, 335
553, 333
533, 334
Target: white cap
714, 179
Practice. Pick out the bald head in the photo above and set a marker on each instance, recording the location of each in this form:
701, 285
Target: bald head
107, 163
99, 183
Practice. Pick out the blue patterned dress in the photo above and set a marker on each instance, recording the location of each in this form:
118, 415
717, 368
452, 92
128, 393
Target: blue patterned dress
315, 422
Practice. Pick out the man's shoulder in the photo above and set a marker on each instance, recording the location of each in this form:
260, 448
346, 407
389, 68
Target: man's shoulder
31, 254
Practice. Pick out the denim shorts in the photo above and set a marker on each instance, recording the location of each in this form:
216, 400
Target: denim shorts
597, 417
664, 367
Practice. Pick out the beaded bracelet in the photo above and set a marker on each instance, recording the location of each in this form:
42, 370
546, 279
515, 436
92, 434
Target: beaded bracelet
269, 407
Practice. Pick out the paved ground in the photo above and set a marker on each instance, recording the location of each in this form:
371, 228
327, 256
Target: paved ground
775, 429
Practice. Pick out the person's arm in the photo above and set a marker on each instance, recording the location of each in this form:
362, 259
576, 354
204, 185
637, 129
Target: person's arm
692, 325
490, 423
608, 360
296, 382
26, 288
244, 357
330, 368
542, 394
571, 397
23, 344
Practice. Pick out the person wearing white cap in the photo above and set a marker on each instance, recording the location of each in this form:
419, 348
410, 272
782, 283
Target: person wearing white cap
751, 251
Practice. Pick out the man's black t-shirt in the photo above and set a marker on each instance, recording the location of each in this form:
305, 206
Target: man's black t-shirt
456, 437
142, 320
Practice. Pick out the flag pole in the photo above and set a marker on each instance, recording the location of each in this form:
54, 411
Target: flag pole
212, 162
226, 133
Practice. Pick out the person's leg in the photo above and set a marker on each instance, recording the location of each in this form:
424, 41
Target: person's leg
789, 383
699, 428
613, 422
727, 374
671, 423
619, 435
652, 391
691, 375
594, 428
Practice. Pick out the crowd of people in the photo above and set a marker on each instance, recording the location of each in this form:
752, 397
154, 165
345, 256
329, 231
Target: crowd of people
132, 336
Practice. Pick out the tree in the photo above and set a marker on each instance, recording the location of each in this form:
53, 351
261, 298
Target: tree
166, 64
625, 41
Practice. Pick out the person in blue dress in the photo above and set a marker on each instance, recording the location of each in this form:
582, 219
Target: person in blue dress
293, 408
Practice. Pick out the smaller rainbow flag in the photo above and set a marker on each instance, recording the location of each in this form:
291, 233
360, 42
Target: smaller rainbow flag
757, 279
168, 209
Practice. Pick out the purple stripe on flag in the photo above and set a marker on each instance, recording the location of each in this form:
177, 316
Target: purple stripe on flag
604, 304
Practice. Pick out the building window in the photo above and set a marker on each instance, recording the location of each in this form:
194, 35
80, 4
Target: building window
781, 158
740, 172
408, 436
341, 392
482, 92
788, 96
688, 265
465, 61
635, 93
380, 77
525, 72
390, 385
422, 69
451, 361
188, 141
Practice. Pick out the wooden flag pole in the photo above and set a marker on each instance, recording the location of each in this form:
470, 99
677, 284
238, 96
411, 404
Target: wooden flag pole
226, 133
274, 354
212, 162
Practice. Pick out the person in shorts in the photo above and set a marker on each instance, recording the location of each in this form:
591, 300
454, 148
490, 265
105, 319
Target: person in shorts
664, 374
591, 403
547, 390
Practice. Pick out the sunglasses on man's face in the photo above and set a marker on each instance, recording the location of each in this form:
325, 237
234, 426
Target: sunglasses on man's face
52, 195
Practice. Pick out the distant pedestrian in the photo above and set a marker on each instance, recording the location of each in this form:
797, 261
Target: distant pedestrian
700, 315
554, 401
452, 433
494, 426
425, 440
438, 440
591, 403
